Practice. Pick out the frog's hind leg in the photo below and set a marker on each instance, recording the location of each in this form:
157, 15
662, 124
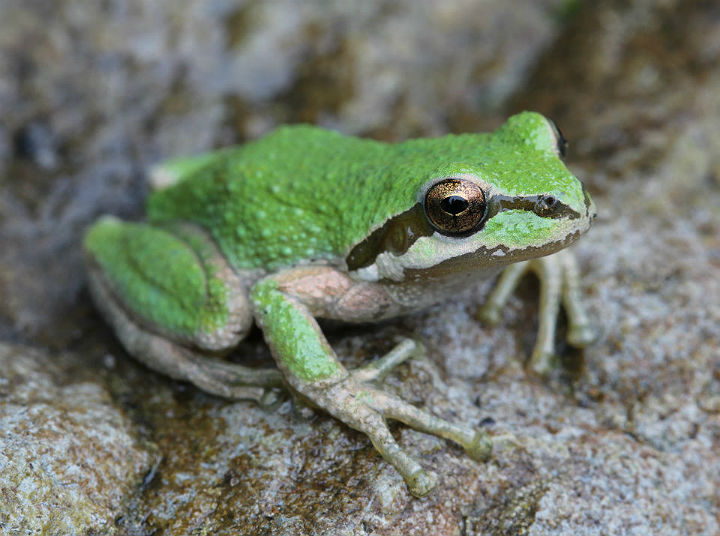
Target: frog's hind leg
182, 363
559, 283
173, 300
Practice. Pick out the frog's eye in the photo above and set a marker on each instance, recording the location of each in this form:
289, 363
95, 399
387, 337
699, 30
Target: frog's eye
560, 141
455, 206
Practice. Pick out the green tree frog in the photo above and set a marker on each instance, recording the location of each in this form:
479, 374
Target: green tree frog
307, 224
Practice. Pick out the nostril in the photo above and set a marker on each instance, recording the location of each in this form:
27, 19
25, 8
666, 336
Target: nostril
546, 202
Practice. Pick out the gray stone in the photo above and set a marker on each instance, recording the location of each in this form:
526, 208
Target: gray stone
70, 460
624, 439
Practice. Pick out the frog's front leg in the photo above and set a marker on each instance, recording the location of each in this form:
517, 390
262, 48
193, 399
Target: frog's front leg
286, 306
559, 283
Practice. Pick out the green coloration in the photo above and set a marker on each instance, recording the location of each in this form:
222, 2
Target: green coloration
303, 194
185, 167
514, 228
309, 193
264, 231
293, 334
159, 276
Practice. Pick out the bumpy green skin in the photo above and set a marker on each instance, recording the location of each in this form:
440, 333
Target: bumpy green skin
309, 357
301, 194
160, 275
515, 228
232, 237
306, 193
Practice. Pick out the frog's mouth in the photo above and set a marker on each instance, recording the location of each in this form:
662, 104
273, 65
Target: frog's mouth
488, 259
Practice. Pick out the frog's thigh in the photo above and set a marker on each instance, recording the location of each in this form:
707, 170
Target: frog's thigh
174, 297
181, 363
175, 284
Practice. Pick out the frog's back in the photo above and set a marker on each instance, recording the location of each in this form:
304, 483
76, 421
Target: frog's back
276, 201
304, 193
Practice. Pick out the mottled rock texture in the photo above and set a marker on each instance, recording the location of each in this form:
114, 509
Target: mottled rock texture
69, 457
624, 439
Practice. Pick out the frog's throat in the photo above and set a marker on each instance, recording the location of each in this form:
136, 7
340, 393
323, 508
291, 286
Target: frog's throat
481, 261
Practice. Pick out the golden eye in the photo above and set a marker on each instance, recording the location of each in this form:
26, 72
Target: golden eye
455, 206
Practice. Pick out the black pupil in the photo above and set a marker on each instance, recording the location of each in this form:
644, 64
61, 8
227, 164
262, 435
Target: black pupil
454, 204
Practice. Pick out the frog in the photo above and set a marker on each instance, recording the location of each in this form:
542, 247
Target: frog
307, 225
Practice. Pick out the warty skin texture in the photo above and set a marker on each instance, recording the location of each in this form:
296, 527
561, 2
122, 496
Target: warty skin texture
308, 224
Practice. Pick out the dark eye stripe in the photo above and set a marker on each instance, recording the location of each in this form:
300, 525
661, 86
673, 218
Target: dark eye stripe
396, 236
544, 205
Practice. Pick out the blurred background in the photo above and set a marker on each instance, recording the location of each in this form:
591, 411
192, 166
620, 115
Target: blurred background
625, 441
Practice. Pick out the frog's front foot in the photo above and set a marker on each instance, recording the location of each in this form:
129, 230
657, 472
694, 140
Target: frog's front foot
366, 408
313, 372
559, 283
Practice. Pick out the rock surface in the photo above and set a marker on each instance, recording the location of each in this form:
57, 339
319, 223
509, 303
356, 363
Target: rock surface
69, 457
625, 439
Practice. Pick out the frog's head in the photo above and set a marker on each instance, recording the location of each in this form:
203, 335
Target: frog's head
512, 200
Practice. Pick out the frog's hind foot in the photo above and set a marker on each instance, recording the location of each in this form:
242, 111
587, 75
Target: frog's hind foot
212, 375
366, 408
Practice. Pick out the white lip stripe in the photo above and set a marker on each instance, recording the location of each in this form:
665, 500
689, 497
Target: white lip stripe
429, 251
